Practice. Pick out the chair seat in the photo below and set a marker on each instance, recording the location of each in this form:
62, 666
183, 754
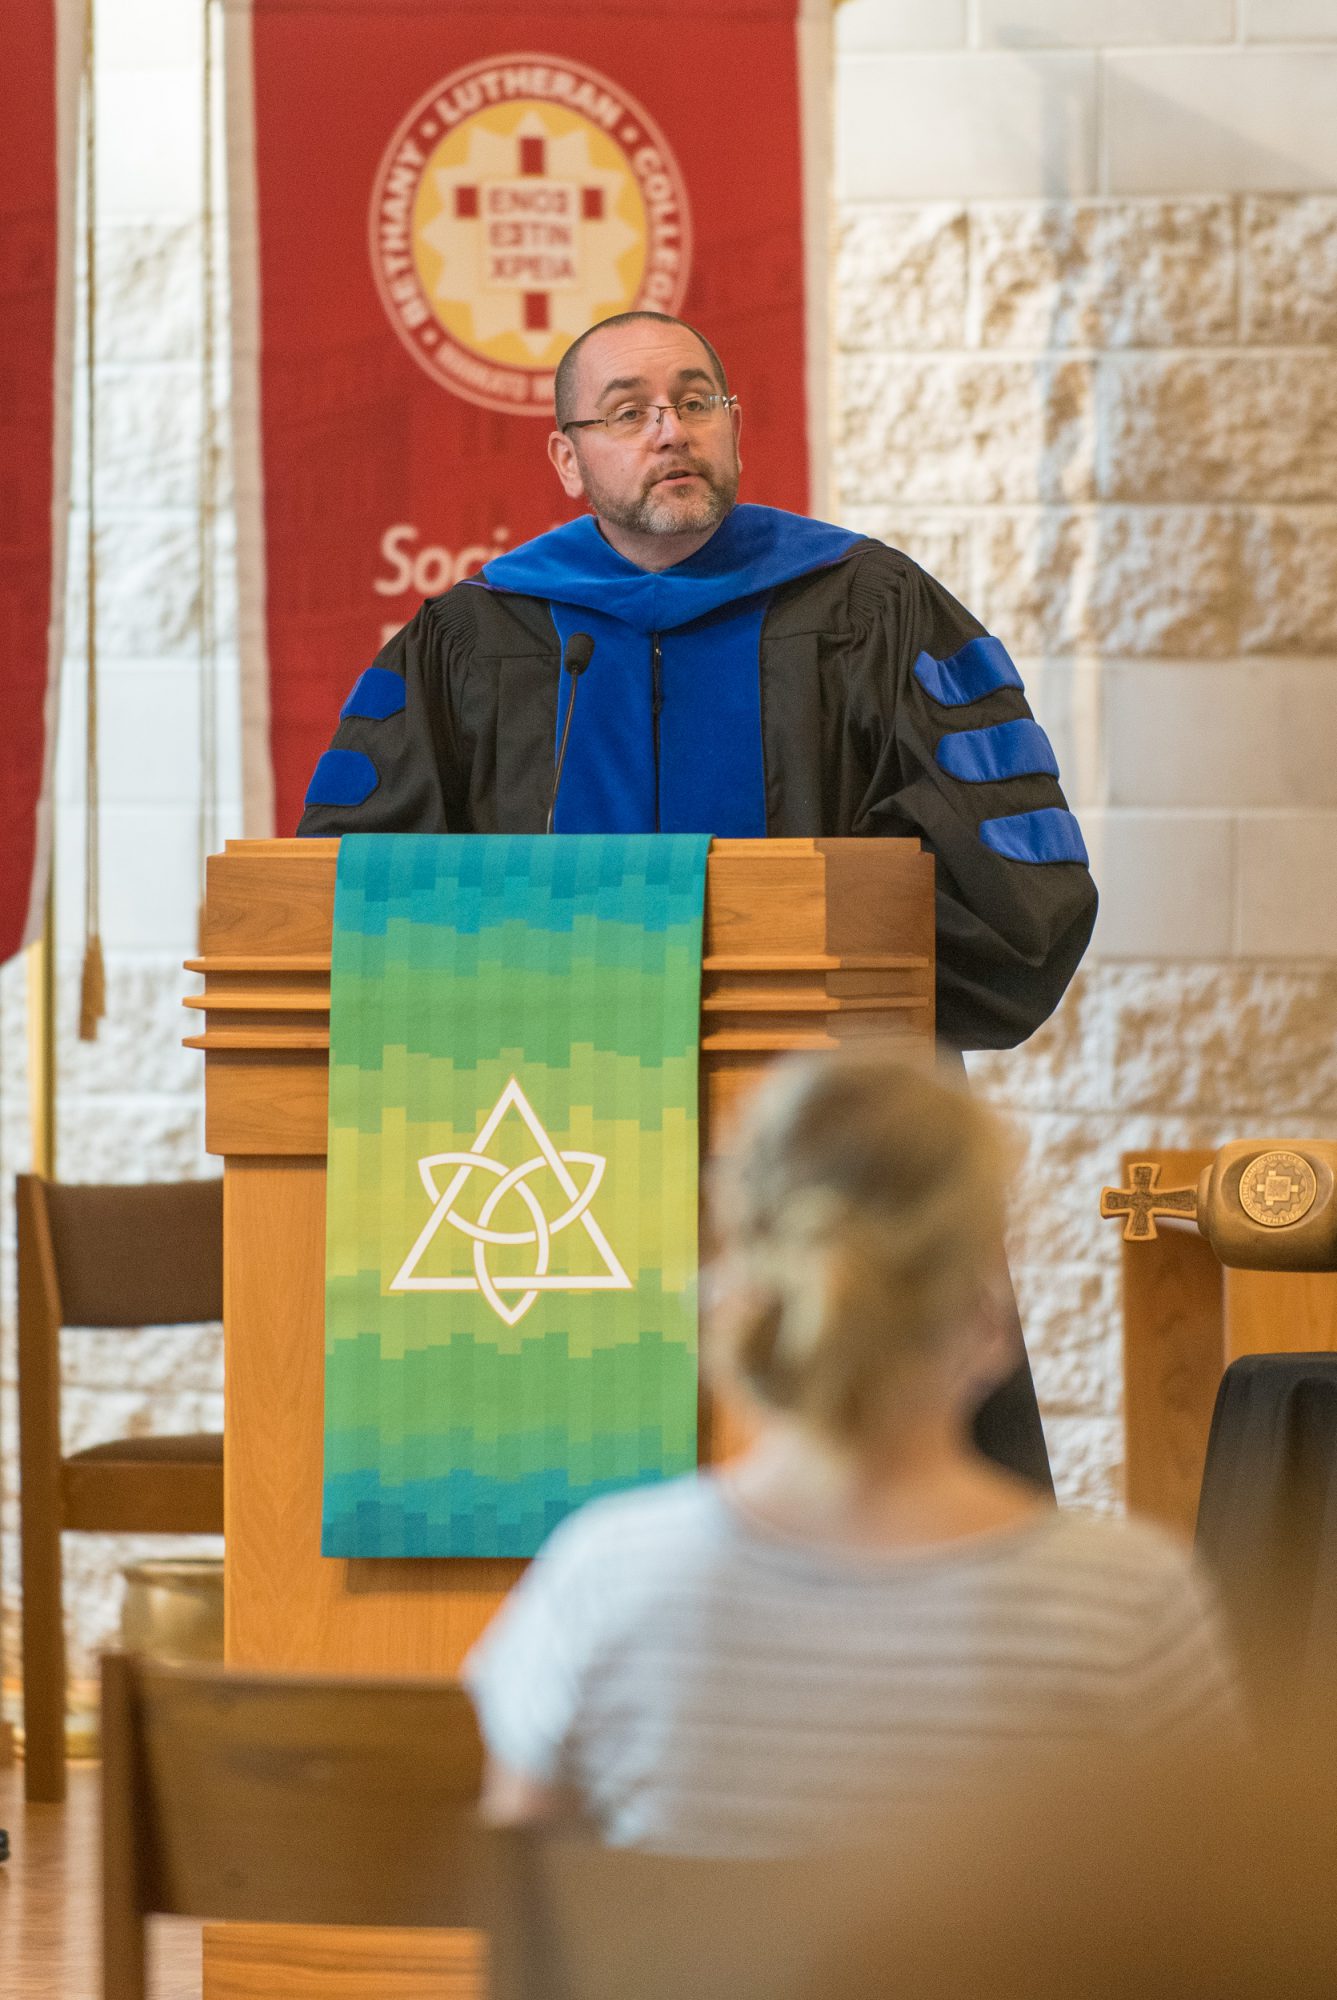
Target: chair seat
194, 1448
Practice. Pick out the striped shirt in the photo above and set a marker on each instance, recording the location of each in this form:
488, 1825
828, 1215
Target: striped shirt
706, 1686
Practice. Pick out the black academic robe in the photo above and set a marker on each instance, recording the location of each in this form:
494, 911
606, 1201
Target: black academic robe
850, 741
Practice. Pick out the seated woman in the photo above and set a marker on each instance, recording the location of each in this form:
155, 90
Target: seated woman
861, 1610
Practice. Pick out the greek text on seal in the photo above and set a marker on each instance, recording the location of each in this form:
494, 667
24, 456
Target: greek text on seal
1277, 1189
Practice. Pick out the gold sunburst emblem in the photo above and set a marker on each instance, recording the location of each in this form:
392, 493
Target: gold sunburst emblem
521, 200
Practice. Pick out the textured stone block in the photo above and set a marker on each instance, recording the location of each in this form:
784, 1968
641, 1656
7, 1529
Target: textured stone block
1086, 1457
931, 127
138, 1049
1056, 1219
1289, 580
1073, 1326
1244, 1046
139, 1139
148, 291
1192, 428
940, 541
1220, 121
147, 584
1165, 580
1013, 24
1289, 267
964, 431
1035, 570
1103, 274
178, 1369
901, 278
1063, 1067
95, 1413
148, 438
1142, 580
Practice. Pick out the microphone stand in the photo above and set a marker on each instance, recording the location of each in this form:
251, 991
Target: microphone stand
579, 652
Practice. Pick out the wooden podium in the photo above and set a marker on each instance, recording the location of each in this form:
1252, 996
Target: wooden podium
808, 943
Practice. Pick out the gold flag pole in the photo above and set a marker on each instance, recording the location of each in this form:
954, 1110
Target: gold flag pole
42, 1037
92, 982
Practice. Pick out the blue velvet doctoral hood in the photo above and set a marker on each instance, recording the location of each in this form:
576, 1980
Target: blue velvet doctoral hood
753, 550
668, 738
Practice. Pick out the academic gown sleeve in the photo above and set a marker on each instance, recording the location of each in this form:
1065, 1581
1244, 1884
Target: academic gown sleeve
959, 760
390, 766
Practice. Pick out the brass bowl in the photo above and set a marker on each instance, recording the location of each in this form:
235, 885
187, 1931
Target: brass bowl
173, 1609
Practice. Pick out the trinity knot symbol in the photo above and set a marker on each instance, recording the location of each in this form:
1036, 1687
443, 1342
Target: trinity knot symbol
522, 199
542, 1227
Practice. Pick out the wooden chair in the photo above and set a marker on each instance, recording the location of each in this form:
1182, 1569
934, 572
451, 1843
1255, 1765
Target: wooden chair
574, 1921
104, 1257
283, 1799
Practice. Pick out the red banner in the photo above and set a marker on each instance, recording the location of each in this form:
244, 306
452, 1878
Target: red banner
39, 81
429, 201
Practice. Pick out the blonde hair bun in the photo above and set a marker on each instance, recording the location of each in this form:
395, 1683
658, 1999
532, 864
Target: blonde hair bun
861, 1214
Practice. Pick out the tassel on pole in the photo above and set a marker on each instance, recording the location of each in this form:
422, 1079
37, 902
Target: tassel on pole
92, 989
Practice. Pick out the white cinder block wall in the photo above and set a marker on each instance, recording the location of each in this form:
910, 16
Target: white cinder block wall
131, 1103
1087, 319
1087, 311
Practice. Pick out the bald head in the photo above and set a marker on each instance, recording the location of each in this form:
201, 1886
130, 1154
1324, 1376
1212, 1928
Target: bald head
575, 388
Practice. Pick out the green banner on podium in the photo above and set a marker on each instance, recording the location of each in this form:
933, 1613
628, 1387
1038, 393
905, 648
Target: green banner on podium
512, 1215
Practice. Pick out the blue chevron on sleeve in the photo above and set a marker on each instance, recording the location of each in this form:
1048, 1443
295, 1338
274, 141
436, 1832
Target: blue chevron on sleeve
377, 693
1049, 834
1017, 749
980, 667
342, 778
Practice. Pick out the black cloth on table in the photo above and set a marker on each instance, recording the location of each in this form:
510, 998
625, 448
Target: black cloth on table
1267, 1528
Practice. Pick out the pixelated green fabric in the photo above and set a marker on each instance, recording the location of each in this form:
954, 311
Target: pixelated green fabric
529, 1009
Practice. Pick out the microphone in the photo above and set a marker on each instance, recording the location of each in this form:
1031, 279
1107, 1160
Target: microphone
579, 652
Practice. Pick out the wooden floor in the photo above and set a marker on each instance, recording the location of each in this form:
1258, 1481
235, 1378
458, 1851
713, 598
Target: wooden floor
49, 1938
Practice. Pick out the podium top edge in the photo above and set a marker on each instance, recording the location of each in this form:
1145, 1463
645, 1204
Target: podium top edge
780, 843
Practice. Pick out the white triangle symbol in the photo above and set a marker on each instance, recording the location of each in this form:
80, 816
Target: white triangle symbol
512, 1180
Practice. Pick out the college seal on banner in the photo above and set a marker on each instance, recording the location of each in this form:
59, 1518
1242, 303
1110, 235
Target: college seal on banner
522, 199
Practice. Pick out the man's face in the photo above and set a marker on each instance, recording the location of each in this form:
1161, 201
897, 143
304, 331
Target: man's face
669, 480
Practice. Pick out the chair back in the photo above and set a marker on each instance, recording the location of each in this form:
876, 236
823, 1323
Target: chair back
282, 1799
574, 1921
128, 1256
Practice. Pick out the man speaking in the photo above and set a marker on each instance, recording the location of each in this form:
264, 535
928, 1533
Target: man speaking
753, 672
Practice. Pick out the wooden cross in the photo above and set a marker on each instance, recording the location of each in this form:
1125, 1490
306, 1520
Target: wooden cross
1143, 1202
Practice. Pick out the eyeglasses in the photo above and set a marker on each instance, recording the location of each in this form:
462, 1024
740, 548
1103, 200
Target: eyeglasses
632, 420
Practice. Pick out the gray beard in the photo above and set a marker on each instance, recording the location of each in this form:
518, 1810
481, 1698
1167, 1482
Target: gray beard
656, 514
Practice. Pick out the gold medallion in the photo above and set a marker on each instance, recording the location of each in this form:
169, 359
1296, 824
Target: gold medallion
1277, 1189
522, 199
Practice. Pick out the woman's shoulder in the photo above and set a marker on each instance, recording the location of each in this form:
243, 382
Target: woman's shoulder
1128, 1562
672, 1513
